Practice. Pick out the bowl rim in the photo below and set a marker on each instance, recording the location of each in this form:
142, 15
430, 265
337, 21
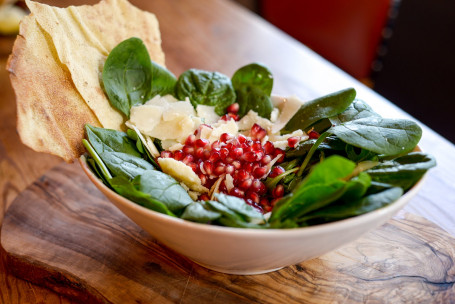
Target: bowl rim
257, 233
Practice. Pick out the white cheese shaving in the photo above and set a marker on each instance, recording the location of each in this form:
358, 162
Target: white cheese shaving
182, 173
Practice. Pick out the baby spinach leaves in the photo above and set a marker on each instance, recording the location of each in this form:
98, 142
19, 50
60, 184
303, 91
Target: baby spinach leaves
163, 81
253, 85
206, 88
127, 75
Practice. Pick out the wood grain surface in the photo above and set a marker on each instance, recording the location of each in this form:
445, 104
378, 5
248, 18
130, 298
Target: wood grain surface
62, 233
215, 35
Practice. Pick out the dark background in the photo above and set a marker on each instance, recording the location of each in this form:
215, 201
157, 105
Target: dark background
404, 50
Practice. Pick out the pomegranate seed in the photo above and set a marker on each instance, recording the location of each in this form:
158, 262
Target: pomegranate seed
229, 169
253, 196
259, 155
187, 159
188, 149
242, 175
313, 134
237, 192
233, 116
201, 142
245, 184
269, 147
278, 191
203, 178
264, 202
178, 155
228, 160
204, 197
216, 144
222, 187
225, 137
224, 153
193, 166
258, 187
225, 117
241, 138
257, 132
249, 167
219, 168
199, 153
277, 152
259, 172
236, 153
293, 141
249, 156
276, 171
233, 108
208, 167
266, 159
214, 156
257, 147
190, 140
274, 201
206, 154
166, 154
237, 164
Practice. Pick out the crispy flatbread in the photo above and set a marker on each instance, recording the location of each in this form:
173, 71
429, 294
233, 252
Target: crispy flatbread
83, 37
51, 113
56, 66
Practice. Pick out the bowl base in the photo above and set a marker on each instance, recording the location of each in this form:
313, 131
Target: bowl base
237, 271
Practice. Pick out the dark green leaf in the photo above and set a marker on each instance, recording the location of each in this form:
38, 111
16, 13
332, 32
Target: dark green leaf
199, 212
380, 135
356, 110
403, 171
323, 107
106, 140
240, 207
163, 81
125, 165
163, 188
251, 98
127, 75
356, 187
206, 88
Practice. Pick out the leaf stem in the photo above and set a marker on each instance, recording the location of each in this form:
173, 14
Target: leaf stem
97, 159
311, 152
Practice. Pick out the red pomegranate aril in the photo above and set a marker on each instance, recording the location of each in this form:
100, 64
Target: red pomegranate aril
277, 152
178, 155
216, 144
253, 196
259, 155
214, 156
236, 153
264, 202
201, 142
313, 134
225, 117
204, 197
278, 191
237, 192
248, 167
190, 140
266, 159
166, 154
233, 108
274, 201
219, 168
187, 159
232, 116
259, 172
245, 184
206, 154
237, 164
249, 156
224, 153
277, 170
203, 178
242, 175
229, 169
241, 138
208, 167
293, 141
258, 187
257, 147
199, 152
269, 147
193, 166
257, 132
225, 137
188, 149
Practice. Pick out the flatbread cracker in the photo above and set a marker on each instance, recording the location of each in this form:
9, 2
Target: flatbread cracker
51, 112
83, 37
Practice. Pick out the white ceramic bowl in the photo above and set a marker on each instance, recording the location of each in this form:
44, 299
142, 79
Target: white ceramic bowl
248, 251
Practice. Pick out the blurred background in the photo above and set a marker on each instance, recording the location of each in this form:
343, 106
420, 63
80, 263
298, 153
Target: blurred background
404, 50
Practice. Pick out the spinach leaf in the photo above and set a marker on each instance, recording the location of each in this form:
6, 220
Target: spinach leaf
199, 212
106, 140
163, 188
346, 209
163, 81
356, 110
356, 187
331, 144
125, 165
206, 88
358, 154
323, 107
323, 185
403, 171
127, 189
231, 218
253, 85
127, 75
380, 135
238, 206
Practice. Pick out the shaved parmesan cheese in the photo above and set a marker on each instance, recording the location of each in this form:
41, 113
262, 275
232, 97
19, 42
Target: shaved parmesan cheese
207, 113
288, 107
182, 173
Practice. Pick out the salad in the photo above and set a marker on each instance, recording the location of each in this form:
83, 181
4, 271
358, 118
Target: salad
212, 149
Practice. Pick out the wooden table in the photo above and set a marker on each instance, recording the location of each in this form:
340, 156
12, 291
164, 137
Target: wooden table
216, 35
